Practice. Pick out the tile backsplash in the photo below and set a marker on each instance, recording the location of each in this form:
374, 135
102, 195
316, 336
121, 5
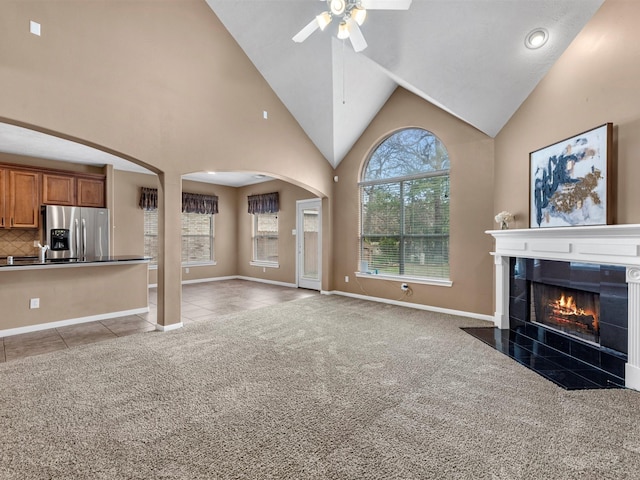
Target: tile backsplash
18, 242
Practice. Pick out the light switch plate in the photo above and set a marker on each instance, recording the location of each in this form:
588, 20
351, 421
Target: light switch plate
34, 27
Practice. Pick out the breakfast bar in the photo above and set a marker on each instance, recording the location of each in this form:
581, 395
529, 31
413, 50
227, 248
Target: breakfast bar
38, 295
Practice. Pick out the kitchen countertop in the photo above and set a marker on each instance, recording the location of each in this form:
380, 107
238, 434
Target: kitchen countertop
23, 263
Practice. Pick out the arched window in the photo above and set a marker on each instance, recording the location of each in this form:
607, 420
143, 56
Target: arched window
404, 197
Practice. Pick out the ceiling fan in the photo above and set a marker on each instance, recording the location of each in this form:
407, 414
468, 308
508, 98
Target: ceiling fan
351, 14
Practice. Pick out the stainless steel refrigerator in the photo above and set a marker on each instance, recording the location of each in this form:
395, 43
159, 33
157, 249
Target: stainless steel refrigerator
76, 232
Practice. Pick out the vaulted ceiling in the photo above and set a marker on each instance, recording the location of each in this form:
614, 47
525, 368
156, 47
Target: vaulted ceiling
465, 56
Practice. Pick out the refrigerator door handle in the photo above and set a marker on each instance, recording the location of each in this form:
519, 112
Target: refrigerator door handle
77, 228
84, 238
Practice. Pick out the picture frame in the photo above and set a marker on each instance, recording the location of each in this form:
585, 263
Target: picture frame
571, 181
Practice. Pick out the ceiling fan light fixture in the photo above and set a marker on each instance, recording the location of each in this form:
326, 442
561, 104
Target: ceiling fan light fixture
343, 30
337, 7
358, 14
323, 20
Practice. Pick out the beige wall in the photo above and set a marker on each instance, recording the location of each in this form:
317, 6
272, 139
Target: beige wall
471, 208
45, 163
288, 195
128, 220
160, 83
163, 83
597, 80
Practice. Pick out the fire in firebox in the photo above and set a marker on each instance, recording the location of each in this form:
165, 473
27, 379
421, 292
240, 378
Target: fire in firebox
571, 311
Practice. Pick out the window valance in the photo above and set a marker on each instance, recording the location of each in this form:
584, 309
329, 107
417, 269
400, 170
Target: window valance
265, 203
198, 203
191, 202
148, 198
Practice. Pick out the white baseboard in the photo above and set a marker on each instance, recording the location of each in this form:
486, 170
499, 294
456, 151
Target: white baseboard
232, 277
72, 321
211, 279
632, 376
168, 328
459, 313
271, 282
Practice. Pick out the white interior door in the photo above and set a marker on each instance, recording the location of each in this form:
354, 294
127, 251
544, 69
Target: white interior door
309, 243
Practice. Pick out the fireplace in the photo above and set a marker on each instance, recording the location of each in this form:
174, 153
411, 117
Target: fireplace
573, 291
573, 312
585, 303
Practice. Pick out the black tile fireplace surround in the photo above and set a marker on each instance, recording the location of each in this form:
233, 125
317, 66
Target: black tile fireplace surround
605, 280
565, 359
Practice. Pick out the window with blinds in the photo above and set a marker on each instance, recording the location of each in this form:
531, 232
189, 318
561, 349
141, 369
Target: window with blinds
265, 238
197, 237
404, 195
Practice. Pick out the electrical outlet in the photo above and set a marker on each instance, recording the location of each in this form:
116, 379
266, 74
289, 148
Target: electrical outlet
34, 303
346, 279
36, 243
186, 270
404, 287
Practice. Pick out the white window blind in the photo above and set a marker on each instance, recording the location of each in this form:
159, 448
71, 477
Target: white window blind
265, 238
197, 244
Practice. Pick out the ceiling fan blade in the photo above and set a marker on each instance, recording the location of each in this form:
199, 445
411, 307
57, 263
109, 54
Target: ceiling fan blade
355, 35
303, 34
386, 4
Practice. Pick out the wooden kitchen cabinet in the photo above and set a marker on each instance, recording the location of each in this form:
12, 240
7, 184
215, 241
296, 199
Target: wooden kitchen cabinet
23, 199
3, 193
58, 189
90, 192
24, 189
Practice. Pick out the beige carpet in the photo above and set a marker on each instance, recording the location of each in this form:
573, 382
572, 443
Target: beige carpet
319, 388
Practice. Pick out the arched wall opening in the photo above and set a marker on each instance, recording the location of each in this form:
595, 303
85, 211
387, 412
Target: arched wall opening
127, 218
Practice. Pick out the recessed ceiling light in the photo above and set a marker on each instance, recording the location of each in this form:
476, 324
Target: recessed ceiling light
536, 38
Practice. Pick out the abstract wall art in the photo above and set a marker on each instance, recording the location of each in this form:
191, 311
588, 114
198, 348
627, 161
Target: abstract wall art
571, 181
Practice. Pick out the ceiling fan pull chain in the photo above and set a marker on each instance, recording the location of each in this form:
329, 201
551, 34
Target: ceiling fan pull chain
344, 77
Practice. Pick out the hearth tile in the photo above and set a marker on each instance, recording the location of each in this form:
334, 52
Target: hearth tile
564, 370
613, 364
518, 287
514, 323
535, 332
586, 353
519, 336
614, 309
568, 380
613, 337
601, 378
518, 308
557, 341
534, 346
486, 334
537, 363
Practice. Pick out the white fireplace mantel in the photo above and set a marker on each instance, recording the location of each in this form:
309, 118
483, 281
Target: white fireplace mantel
603, 244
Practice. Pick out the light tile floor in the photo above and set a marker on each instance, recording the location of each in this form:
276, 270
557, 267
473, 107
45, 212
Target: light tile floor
199, 301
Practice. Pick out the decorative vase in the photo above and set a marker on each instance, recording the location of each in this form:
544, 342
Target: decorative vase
504, 225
